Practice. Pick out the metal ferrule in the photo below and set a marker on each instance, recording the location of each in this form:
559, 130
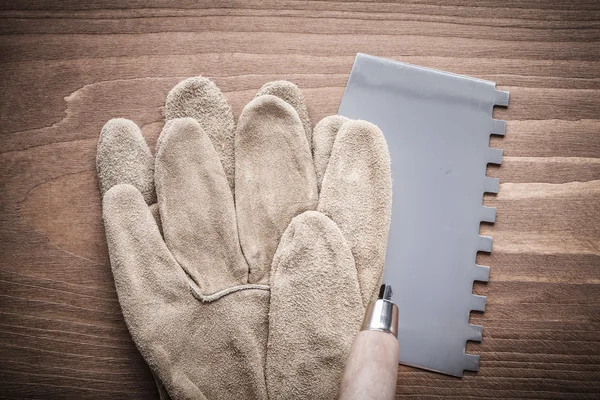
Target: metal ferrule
381, 315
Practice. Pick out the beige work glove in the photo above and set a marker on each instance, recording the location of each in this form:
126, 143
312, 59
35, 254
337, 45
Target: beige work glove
196, 299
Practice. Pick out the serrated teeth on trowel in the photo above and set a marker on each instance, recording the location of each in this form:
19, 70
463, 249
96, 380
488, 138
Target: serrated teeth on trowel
477, 303
494, 156
491, 185
471, 362
498, 127
501, 98
476, 333
485, 244
482, 273
488, 214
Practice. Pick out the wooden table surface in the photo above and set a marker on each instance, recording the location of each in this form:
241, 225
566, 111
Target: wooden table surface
67, 68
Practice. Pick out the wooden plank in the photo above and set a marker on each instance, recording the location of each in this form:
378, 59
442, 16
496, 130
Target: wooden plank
67, 67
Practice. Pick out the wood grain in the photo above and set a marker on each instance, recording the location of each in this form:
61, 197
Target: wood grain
67, 67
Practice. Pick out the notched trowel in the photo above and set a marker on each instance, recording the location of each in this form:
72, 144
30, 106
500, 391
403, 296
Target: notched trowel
437, 126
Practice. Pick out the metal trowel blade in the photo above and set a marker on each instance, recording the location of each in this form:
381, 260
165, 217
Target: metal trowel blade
437, 126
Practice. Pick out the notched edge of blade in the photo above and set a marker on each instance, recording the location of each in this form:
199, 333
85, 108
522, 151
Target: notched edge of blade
484, 243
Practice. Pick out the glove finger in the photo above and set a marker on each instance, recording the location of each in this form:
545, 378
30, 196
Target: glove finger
356, 194
201, 99
323, 139
292, 95
275, 178
315, 312
196, 207
123, 157
153, 290
146, 274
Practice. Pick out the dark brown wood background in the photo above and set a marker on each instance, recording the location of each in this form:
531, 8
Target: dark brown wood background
67, 67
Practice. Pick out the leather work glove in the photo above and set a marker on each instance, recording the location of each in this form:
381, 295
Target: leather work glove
244, 257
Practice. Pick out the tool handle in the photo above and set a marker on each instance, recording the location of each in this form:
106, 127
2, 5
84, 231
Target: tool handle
372, 367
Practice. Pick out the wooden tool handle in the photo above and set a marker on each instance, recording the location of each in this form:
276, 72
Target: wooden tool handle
372, 367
